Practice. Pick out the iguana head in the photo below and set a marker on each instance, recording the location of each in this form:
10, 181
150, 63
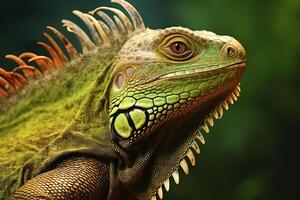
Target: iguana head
165, 85
164, 75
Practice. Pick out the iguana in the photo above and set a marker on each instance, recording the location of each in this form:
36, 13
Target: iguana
118, 119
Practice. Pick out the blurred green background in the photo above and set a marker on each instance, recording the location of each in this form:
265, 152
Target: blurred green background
252, 154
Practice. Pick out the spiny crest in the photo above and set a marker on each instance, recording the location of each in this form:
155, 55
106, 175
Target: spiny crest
103, 32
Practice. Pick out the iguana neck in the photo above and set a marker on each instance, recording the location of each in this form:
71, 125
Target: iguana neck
164, 150
54, 100
93, 116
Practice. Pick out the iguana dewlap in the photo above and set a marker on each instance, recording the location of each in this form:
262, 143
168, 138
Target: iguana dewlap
117, 119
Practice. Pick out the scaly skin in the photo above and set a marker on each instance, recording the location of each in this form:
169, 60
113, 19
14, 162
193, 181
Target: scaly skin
119, 121
89, 179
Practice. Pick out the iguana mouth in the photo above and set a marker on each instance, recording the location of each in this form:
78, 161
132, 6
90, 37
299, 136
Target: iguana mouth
193, 147
201, 71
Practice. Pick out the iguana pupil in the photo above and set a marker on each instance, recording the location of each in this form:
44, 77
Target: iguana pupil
178, 47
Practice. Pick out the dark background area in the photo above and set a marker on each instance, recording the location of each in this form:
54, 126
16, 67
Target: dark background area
252, 153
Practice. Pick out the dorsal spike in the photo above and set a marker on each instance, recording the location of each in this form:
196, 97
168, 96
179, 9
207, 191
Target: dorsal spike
52, 52
7, 86
4, 73
16, 59
40, 60
17, 80
135, 16
86, 43
68, 45
57, 48
103, 35
45, 60
3, 93
29, 71
106, 30
120, 25
110, 23
127, 23
89, 24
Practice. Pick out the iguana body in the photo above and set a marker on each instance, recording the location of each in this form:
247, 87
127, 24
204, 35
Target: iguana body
117, 120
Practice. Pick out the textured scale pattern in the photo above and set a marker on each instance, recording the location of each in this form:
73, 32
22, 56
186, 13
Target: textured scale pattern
125, 97
156, 104
76, 179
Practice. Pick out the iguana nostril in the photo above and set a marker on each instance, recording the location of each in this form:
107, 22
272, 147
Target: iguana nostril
234, 49
229, 50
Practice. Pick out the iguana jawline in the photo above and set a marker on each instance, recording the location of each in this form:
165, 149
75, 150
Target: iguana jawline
183, 74
216, 113
198, 71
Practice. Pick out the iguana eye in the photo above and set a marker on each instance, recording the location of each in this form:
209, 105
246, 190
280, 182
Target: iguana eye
178, 47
